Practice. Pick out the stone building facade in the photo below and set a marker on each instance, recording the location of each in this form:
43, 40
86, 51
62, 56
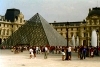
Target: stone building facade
82, 29
8, 27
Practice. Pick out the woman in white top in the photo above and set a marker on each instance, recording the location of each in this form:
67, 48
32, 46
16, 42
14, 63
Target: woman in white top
31, 53
69, 52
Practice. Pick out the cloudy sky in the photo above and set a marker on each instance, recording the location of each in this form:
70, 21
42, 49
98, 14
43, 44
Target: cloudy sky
51, 10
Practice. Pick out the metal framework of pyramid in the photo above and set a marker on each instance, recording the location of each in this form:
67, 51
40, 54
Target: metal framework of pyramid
36, 31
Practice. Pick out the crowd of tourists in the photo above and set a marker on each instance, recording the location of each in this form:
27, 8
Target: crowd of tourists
82, 51
87, 51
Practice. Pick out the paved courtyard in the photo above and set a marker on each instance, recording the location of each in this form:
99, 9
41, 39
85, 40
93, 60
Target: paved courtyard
9, 59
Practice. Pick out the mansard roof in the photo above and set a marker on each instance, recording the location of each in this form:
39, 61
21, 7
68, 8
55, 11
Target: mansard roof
94, 11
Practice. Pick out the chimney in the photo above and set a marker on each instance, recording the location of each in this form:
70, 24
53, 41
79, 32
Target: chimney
54, 21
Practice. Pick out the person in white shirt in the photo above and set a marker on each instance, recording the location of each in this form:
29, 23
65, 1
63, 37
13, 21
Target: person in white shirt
37, 49
45, 53
63, 54
31, 52
69, 53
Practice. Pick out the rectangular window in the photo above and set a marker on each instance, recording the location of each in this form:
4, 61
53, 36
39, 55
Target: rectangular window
4, 32
7, 32
4, 25
76, 33
71, 29
84, 28
85, 34
61, 29
12, 26
71, 34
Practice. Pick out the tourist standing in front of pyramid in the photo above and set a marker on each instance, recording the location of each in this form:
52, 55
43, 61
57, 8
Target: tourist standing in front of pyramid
45, 50
31, 52
34, 51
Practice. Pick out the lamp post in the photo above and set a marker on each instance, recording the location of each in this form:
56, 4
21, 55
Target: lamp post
97, 41
67, 26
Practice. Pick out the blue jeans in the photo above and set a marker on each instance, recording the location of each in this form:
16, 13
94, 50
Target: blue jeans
84, 55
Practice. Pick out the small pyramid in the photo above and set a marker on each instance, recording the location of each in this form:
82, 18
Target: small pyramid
36, 31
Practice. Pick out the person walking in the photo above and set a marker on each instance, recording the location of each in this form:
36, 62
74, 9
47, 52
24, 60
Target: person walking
34, 51
31, 52
69, 53
91, 52
45, 52
63, 54
81, 52
37, 49
78, 50
84, 52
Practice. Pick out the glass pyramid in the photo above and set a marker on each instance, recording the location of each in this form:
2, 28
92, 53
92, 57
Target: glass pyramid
36, 31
